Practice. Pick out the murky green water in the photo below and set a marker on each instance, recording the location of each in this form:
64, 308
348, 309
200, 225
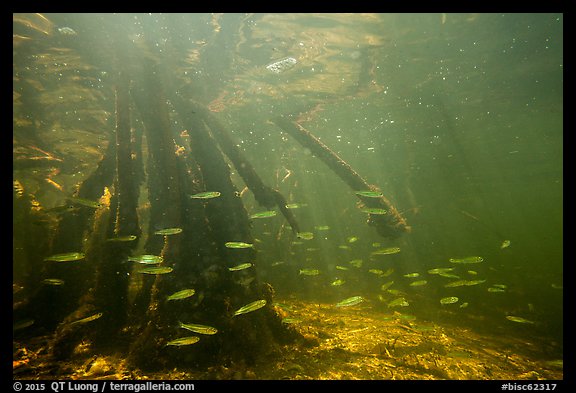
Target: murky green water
455, 118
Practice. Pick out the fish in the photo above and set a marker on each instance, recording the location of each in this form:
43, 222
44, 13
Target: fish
288, 320
454, 284
344, 247
66, 31
305, 235
256, 305
242, 266
85, 202
127, 238
352, 239
439, 270
146, 259
295, 205
282, 65
265, 214
449, 300
168, 231
309, 272
502, 286
322, 227
338, 267
351, 301
464, 305
505, 244
183, 294
491, 289
88, 319
238, 245
200, 329
418, 283
66, 257
412, 275
356, 263
337, 282
386, 251
518, 319
369, 194
399, 302
388, 272
53, 281
472, 272
206, 195
474, 282
184, 341
378, 272
448, 275
373, 210
156, 270
23, 324
387, 285
467, 260
461, 283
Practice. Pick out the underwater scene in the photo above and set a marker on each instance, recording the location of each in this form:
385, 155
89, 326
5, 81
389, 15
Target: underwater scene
287, 196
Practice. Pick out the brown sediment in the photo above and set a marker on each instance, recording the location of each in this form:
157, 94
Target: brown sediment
391, 224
